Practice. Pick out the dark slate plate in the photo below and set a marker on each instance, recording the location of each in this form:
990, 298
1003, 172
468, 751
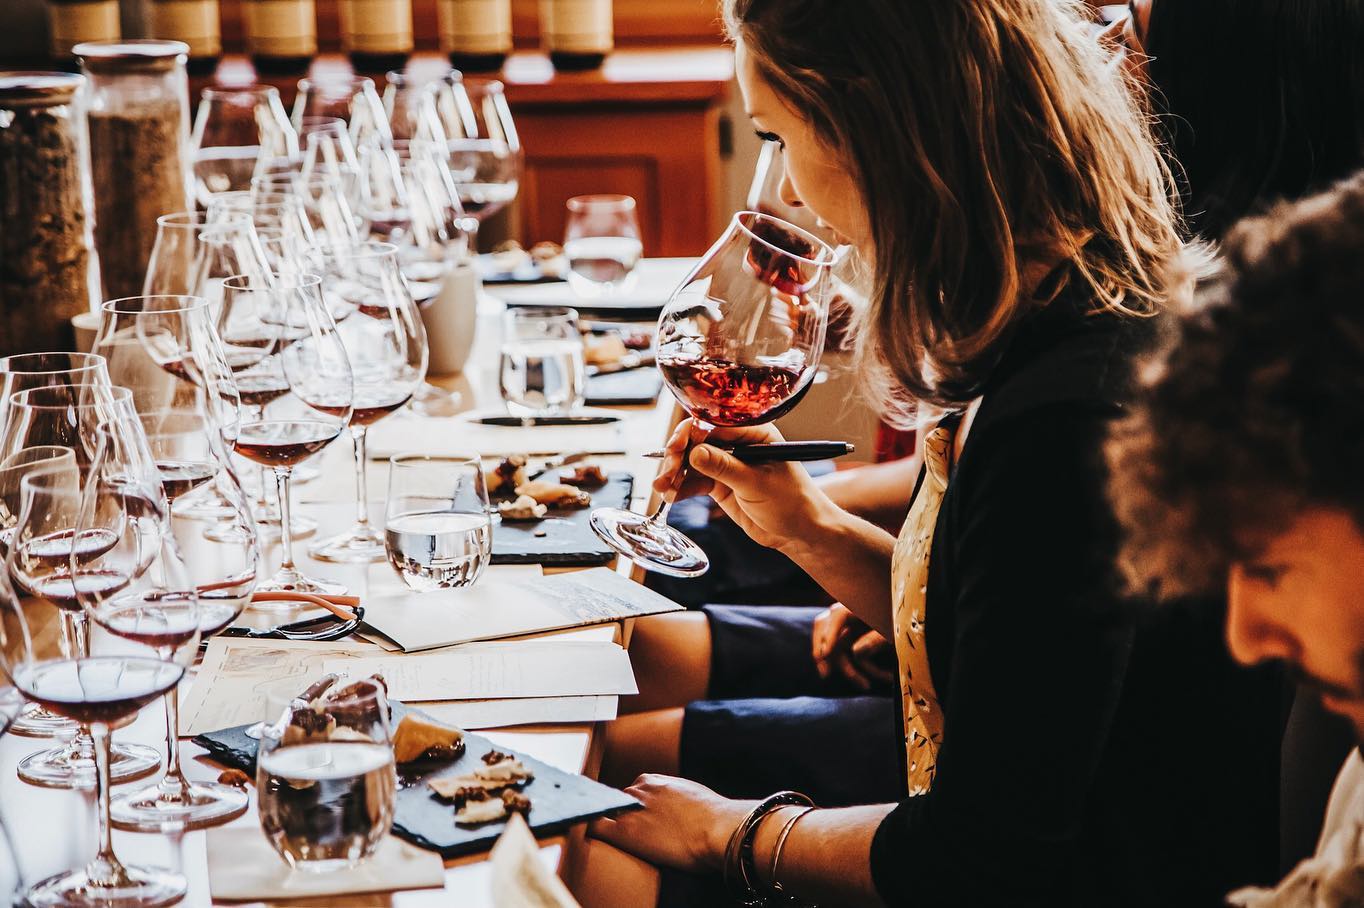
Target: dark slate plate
568, 539
558, 799
619, 389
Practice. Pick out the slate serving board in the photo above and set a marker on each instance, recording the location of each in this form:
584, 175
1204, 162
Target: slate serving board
619, 389
569, 539
558, 799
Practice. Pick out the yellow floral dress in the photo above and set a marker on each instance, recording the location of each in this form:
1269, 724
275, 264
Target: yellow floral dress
909, 588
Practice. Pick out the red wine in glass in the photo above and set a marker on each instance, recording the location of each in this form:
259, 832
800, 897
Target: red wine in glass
100, 689
180, 477
725, 393
259, 390
65, 592
56, 549
369, 407
158, 620
284, 443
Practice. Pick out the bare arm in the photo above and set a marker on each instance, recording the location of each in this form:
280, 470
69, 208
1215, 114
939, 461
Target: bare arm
826, 857
878, 492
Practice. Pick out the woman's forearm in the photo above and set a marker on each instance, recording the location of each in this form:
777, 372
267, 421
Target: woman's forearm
825, 859
850, 558
879, 492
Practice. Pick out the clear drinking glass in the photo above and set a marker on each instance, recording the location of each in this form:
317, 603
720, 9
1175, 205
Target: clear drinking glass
601, 240
234, 130
410, 104
738, 345
438, 530
296, 399
97, 691
352, 99
40, 541
40, 370
326, 796
386, 343
542, 370
328, 147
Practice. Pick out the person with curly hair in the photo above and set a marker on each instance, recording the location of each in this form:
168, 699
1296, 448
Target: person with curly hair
1239, 469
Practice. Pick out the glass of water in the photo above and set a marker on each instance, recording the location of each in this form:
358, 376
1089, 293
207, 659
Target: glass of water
326, 790
601, 240
542, 371
439, 531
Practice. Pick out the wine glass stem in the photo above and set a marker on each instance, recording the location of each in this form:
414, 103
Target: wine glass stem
173, 784
75, 641
262, 501
358, 434
286, 532
700, 431
105, 870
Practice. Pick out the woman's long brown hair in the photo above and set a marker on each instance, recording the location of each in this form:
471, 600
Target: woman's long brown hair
990, 138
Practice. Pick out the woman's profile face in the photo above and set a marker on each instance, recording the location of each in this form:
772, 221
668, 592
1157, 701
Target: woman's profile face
816, 177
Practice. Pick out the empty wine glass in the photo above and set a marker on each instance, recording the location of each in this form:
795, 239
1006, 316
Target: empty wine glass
303, 393
542, 371
98, 691
22, 371
738, 345
44, 540
328, 147
234, 130
194, 251
410, 104
354, 100
303, 779
601, 241
485, 153
386, 343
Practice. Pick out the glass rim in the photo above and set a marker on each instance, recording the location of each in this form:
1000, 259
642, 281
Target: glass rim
93, 361
417, 458
320, 124
485, 85
255, 89
118, 393
192, 304
826, 256
362, 249
187, 220
353, 83
284, 282
603, 199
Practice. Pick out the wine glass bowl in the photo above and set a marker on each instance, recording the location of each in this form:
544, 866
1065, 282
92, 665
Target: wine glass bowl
235, 130
738, 344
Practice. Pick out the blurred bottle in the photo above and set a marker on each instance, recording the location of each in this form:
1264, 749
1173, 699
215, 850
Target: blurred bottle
72, 22
281, 35
376, 34
194, 22
477, 34
577, 34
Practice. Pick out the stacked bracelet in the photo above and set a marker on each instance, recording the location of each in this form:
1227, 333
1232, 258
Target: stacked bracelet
781, 843
740, 873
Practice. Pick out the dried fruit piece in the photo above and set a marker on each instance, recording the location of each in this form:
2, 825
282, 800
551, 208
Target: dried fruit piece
419, 738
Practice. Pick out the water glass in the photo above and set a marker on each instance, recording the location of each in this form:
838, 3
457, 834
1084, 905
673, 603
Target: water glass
438, 531
326, 793
542, 370
601, 240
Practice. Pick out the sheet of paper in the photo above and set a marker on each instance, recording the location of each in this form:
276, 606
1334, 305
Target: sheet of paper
479, 714
233, 682
242, 865
520, 877
425, 435
498, 607
499, 670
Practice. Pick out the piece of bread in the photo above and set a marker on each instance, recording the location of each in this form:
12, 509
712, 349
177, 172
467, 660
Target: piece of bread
419, 738
507, 475
523, 508
555, 494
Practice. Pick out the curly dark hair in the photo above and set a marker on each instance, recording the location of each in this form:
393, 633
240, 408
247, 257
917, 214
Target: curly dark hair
1254, 408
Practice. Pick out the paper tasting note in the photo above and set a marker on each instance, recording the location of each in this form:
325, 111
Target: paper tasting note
520, 878
511, 606
496, 670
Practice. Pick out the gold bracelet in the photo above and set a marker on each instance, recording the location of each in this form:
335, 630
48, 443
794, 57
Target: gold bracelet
781, 843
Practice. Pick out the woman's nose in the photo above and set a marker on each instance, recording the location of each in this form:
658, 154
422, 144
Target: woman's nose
788, 193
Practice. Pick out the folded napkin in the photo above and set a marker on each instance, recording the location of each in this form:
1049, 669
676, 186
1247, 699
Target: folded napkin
242, 866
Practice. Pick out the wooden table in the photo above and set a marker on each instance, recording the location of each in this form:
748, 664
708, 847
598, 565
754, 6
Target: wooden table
54, 830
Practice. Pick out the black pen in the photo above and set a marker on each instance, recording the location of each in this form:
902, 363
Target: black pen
782, 451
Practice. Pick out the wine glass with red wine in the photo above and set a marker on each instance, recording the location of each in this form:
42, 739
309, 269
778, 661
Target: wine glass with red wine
40, 541
99, 692
301, 394
738, 345
386, 342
